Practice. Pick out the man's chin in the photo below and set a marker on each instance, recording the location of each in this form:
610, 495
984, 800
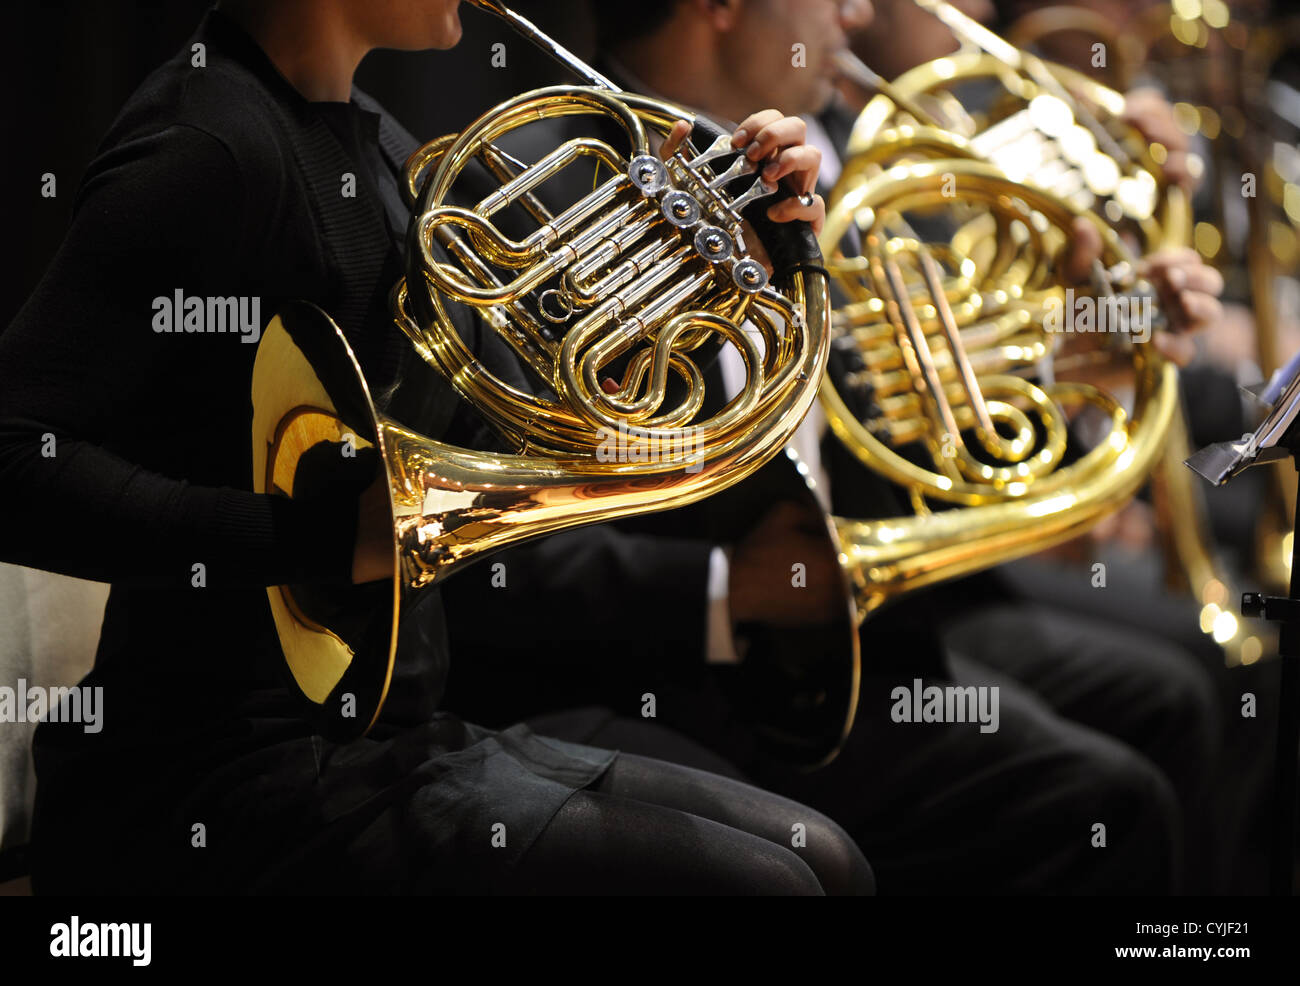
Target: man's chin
820, 99
452, 30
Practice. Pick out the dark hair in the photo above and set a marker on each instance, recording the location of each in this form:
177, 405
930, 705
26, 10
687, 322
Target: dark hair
619, 22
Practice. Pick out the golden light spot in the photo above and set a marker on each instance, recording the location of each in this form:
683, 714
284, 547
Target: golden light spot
1215, 13
1291, 201
1208, 240
1187, 117
1182, 29
1282, 241
1215, 592
1225, 627
1210, 123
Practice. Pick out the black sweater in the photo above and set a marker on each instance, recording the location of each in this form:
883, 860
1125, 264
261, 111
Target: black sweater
215, 181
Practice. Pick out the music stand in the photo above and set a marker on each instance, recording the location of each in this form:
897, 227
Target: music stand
1275, 439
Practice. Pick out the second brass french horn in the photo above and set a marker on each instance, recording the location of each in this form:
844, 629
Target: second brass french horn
945, 385
1056, 133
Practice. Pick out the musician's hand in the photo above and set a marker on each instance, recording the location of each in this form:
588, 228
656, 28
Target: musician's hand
1150, 112
673, 142
372, 557
1188, 290
779, 143
762, 588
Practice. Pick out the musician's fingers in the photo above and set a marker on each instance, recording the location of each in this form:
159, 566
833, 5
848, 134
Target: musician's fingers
1199, 310
855, 15
790, 209
680, 131
1178, 169
1168, 257
1152, 114
1187, 312
751, 125
786, 131
1178, 349
801, 163
1181, 268
1203, 278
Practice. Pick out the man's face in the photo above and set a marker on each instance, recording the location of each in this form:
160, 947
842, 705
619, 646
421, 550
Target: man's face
903, 35
761, 53
408, 25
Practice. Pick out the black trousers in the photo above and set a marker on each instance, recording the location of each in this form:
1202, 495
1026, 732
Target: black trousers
1042, 805
652, 827
1233, 817
1100, 741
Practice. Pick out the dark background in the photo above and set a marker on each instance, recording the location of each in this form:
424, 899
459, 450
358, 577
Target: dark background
69, 66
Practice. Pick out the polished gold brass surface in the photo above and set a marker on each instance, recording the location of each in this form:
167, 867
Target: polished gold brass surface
951, 343
1214, 65
626, 279
1056, 129
1036, 137
1124, 52
608, 305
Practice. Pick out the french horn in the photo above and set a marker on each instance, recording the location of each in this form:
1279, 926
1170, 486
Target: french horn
1055, 131
608, 307
1208, 58
946, 384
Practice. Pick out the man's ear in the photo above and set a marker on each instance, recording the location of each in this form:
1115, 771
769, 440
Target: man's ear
720, 14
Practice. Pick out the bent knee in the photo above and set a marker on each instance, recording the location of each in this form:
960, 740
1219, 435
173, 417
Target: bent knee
773, 869
834, 857
1133, 820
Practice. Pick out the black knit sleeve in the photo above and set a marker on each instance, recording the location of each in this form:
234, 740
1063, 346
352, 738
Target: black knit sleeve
93, 481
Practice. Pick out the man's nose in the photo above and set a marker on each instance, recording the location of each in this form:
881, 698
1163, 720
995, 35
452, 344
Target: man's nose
855, 15
980, 10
